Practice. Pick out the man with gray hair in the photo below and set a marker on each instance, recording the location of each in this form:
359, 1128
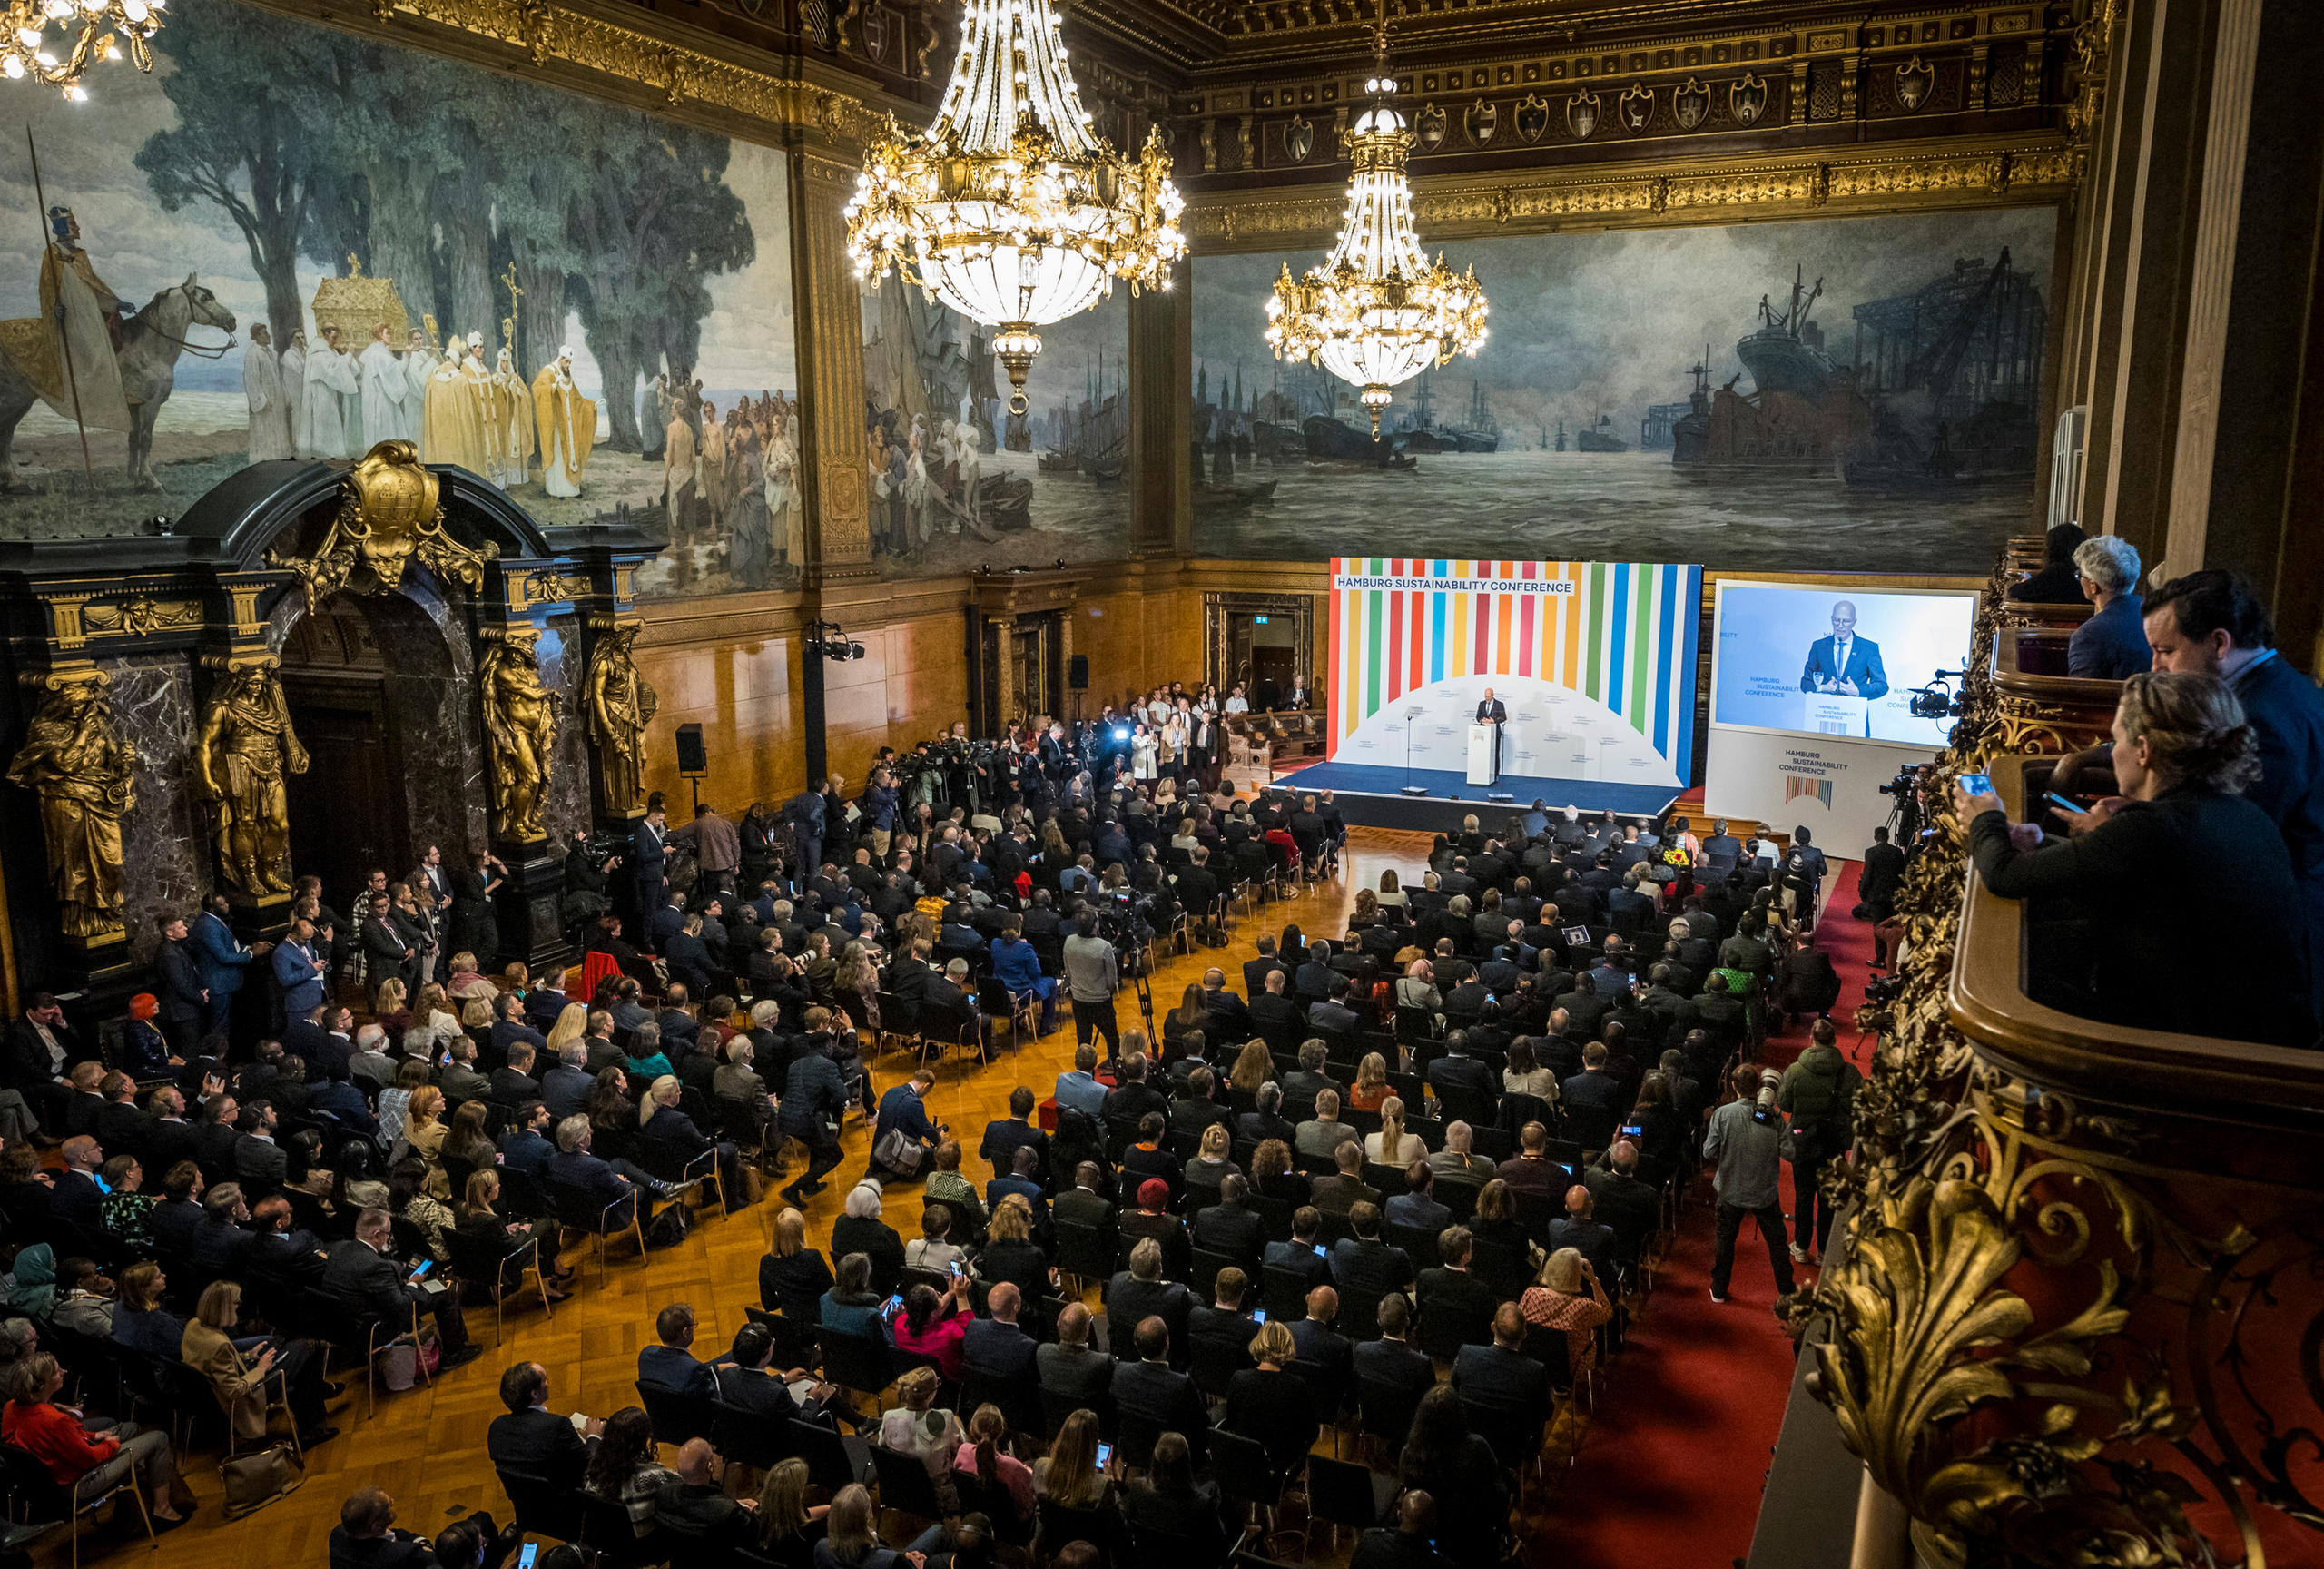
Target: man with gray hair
2112, 644
1844, 664
369, 1060
564, 1088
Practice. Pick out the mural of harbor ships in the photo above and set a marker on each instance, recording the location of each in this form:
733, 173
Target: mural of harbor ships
1940, 393
1877, 411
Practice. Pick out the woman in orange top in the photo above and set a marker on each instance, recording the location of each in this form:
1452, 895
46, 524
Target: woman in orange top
1558, 1303
1370, 1086
89, 1464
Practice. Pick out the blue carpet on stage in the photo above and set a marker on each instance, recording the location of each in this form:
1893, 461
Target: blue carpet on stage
1443, 787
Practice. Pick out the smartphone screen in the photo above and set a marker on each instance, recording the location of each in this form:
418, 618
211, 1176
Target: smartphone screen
1259, 1315
1319, 1251
892, 1304
425, 1266
1977, 783
1105, 1453
1634, 1131
524, 1558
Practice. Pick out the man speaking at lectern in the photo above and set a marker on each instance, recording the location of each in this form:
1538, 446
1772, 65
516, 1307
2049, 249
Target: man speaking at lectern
1844, 664
1490, 712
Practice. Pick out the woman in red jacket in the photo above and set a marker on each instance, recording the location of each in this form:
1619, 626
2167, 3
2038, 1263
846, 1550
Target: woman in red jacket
91, 1463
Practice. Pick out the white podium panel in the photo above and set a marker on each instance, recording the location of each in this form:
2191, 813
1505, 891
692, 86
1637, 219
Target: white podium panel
1481, 760
1831, 713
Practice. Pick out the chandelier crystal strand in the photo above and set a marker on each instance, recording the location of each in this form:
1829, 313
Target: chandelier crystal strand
33, 32
1378, 312
1010, 209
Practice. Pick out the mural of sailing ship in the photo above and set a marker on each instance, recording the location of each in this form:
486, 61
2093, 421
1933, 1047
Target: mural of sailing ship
1904, 437
957, 481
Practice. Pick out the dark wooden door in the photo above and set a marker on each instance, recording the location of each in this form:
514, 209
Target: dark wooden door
343, 817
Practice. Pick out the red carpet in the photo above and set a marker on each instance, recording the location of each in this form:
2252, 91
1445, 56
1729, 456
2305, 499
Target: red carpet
1672, 1465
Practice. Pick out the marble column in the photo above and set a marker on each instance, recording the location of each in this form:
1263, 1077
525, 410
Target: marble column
1161, 369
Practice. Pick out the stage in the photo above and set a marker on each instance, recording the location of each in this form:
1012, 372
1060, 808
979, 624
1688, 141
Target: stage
1372, 796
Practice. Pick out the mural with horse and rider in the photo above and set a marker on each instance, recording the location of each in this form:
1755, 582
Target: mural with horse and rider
291, 242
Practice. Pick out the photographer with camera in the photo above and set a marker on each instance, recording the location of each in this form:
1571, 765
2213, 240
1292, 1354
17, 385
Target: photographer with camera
588, 866
1747, 1145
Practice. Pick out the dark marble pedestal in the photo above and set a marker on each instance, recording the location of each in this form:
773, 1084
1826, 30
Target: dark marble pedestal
530, 903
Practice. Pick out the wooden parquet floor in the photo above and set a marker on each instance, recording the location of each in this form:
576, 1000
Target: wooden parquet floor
427, 1446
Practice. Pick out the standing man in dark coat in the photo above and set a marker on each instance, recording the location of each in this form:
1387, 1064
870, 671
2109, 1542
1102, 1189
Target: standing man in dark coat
804, 812
1493, 712
649, 862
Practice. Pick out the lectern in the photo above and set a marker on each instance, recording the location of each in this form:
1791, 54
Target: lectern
1483, 769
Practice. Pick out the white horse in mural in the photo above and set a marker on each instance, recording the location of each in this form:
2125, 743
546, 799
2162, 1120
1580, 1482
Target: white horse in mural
150, 342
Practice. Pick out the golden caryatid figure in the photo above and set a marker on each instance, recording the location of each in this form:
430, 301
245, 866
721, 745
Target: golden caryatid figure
85, 776
620, 706
520, 716
247, 746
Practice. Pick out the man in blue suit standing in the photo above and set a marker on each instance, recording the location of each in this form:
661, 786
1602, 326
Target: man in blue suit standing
1844, 664
221, 958
649, 862
805, 811
300, 972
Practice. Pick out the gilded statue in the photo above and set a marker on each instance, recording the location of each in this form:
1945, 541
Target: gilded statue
520, 716
620, 706
83, 773
247, 746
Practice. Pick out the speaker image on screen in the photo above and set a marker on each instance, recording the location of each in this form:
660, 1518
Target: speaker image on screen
1077, 675
691, 759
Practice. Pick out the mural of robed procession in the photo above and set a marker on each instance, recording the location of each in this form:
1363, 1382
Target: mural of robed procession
292, 243
1851, 394
957, 481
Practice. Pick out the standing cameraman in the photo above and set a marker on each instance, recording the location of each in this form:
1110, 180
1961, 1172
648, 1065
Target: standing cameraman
1747, 1145
880, 811
1092, 976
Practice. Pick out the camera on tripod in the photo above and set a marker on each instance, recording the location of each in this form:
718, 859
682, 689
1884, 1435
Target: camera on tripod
601, 846
1882, 990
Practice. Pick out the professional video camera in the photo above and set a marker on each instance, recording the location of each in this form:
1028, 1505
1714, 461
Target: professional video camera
1937, 700
1910, 814
1763, 1105
602, 845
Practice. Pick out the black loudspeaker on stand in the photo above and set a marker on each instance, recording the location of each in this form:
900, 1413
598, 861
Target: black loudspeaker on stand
693, 761
1077, 673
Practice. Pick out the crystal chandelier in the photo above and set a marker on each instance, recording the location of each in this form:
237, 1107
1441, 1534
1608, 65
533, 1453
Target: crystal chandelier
1010, 209
1378, 311
86, 30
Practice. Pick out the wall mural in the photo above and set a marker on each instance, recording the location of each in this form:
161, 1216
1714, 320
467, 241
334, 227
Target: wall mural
957, 483
289, 242
1851, 394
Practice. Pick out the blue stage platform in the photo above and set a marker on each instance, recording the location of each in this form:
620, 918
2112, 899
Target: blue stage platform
1372, 796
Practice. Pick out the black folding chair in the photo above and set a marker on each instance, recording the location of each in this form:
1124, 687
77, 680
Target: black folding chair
857, 1363
833, 1461
676, 1418
905, 1484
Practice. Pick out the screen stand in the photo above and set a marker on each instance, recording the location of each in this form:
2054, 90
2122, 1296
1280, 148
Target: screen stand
1410, 788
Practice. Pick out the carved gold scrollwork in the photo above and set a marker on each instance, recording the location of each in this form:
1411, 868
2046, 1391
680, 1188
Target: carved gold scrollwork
388, 516
140, 616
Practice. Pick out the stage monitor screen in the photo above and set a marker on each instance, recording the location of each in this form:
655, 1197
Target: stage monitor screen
1836, 661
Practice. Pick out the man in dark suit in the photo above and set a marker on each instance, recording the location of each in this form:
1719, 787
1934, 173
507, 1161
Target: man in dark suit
1883, 874
1844, 664
1150, 1389
1298, 1256
695, 1507
299, 969
365, 1538
1579, 1229
604, 1185
649, 860
1332, 1017
1003, 1139
526, 1146
2210, 622
996, 1347
1255, 971
1449, 1295
513, 1083
1456, 1069
1230, 1017
1632, 1207
1363, 1262
1501, 1374
260, 1163
1594, 1088
565, 1087
1344, 1188
1389, 1359
1417, 1206
1267, 1121
672, 1366
1318, 1345
362, 1276
1226, 1326
281, 1255
1070, 1369
1231, 1227
532, 1440
1139, 1293
1493, 712
1272, 1009
458, 1079
541, 1004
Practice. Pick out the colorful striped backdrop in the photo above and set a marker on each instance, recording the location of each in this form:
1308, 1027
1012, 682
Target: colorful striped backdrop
1621, 634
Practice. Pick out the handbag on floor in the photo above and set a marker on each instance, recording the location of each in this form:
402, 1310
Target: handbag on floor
257, 1479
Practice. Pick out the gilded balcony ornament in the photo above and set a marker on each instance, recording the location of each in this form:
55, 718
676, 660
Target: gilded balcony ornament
388, 516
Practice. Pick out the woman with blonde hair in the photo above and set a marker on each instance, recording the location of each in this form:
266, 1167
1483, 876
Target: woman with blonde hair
389, 1011
572, 1024
1254, 1066
433, 1023
789, 1527
423, 1126
476, 1013
287, 1370
1391, 1146
793, 1277
1271, 1404
1370, 1092
1559, 1301
920, 1427
1067, 1475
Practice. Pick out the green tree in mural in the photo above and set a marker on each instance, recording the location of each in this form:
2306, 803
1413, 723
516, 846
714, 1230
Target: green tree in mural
257, 98
655, 220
